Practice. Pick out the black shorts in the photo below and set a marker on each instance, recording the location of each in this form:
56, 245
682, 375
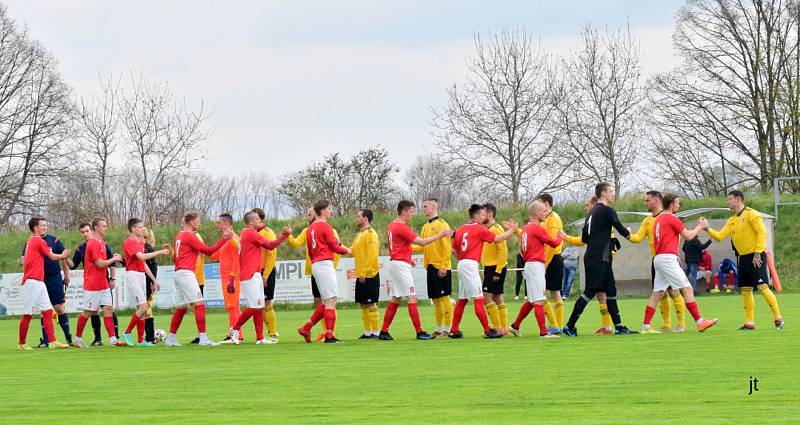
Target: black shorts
749, 275
269, 288
314, 288
554, 274
439, 286
600, 277
652, 272
369, 291
148, 288
489, 284
55, 289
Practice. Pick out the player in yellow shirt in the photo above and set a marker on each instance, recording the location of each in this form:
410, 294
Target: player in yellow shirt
749, 238
365, 251
652, 202
495, 264
300, 241
268, 259
436, 259
554, 272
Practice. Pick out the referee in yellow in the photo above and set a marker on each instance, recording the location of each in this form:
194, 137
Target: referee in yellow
749, 239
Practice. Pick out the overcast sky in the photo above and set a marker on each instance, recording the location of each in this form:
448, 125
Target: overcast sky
290, 81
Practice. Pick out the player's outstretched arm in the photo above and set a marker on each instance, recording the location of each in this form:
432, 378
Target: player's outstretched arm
425, 241
722, 233
511, 228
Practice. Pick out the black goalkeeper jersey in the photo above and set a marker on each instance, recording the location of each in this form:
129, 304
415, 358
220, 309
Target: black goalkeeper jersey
596, 233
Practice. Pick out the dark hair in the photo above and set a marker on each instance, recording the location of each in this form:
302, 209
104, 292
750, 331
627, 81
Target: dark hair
321, 205
247, 216
96, 221
189, 216
258, 211
474, 209
668, 200
228, 218
403, 205
489, 207
132, 222
736, 193
655, 194
600, 188
546, 198
84, 224
34, 221
432, 199
366, 213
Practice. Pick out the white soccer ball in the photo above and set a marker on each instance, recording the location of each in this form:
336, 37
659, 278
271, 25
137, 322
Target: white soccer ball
160, 335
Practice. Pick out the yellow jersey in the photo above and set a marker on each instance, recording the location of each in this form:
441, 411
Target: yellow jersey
200, 266
553, 225
300, 240
495, 253
268, 256
747, 231
646, 230
365, 252
436, 253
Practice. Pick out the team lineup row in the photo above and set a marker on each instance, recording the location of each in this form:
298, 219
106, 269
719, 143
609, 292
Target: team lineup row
247, 261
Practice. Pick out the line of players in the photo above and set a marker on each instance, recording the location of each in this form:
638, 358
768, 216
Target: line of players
247, 265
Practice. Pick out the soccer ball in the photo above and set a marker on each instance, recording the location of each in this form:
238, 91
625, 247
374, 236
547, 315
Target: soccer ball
160, 335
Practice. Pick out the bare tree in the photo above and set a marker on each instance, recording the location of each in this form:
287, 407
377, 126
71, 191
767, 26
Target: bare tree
429, 177
495, 124
601, 102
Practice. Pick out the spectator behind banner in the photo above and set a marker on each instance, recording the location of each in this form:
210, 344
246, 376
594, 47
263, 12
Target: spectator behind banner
571, 255
693, 256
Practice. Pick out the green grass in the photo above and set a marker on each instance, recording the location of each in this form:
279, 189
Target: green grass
685, 378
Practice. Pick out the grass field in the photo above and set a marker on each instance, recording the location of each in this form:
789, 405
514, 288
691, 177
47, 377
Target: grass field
688, 378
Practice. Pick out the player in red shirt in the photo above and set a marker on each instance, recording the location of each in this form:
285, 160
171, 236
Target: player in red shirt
401, 282
666, 232
531, 244
96, 286
136, 272
322, 244
187, 290
252, 286
34, 291
468, 246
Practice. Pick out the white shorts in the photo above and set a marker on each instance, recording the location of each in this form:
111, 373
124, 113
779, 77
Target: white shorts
469, 280
34, 297
325, 275
668, 273
135, 282
95, 300
535, 282
401, 279
253, 291
187, 290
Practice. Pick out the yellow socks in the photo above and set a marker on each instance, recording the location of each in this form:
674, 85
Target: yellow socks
365, 320
605, 317
494, 315
502, 310
680, 307
447, 308
438, 312
551, 315
374, 318
771, 300
559, 308
663, 306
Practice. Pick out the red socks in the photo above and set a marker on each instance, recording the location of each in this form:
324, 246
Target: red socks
81, 325
388, 316
140, 330
648, 314
461, 304
108, 321
177, 317
538, 311
480, 311
200, 317
316, 316
413, 311
134, 322
330, 321
524, 311
692, 307
47, 317
258, 320
243, 318
24, 324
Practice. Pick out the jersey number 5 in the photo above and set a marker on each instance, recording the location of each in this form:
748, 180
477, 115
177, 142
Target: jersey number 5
464, 242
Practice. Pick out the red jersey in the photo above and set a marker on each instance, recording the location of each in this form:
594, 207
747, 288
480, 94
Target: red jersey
131, 247
706, 263
532, 242
400, 236
33, 265
250, 244
468, 241
187, 247
666, 232
95, 278
321, 243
